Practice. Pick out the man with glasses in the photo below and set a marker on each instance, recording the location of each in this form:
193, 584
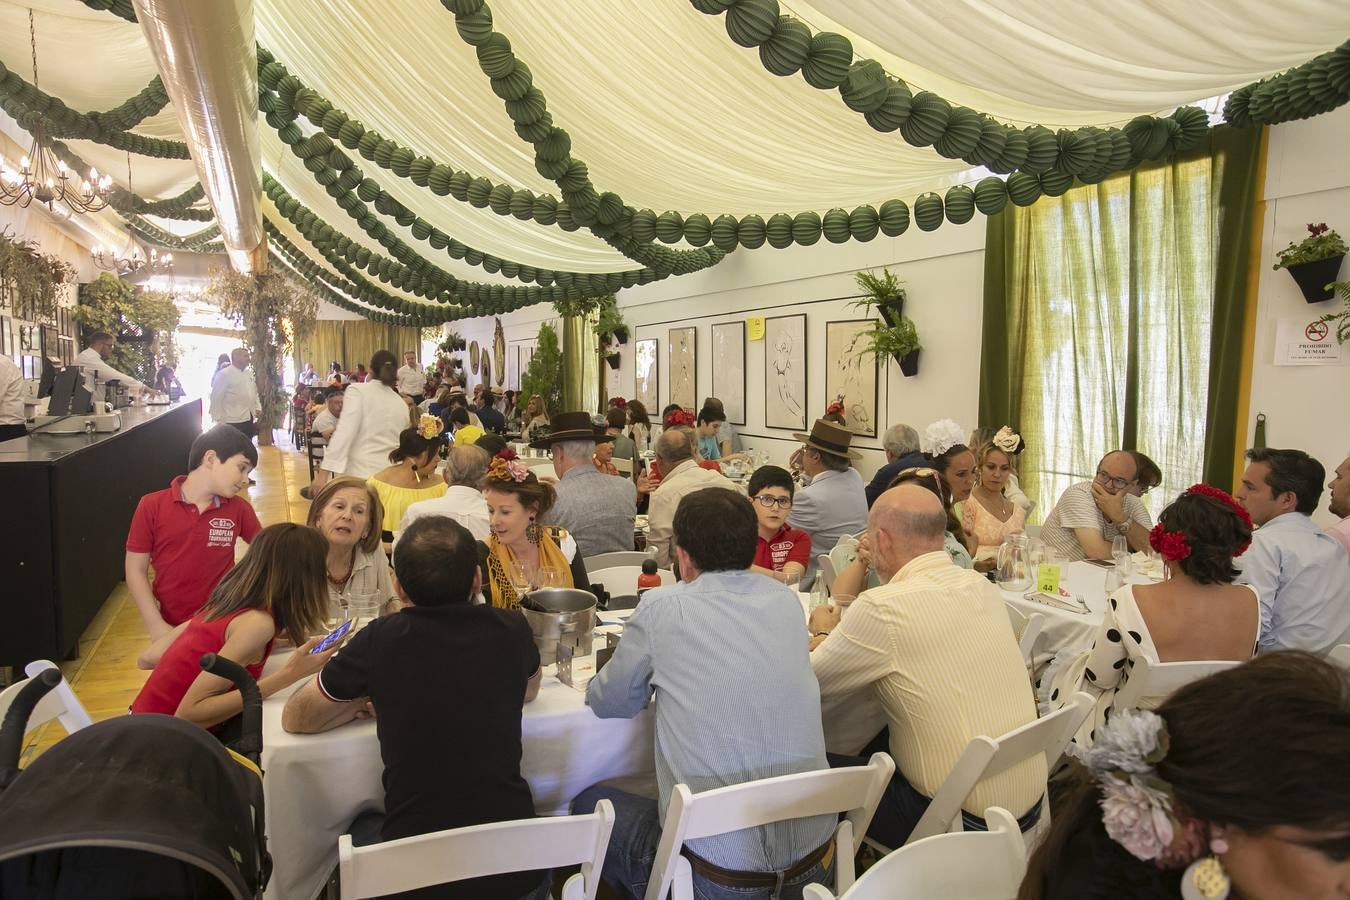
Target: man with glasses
782, 551
834, 503
1091, 514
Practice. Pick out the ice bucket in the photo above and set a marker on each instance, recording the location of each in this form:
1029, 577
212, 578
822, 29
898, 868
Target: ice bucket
559, 615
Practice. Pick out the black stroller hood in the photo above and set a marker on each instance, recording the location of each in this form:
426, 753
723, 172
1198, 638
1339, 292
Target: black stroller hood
136, 806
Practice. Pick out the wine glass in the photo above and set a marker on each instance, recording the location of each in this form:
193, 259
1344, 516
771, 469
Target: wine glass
550, 577
1120, 552
519, 574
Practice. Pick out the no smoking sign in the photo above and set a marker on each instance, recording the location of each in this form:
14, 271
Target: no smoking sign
1316, 331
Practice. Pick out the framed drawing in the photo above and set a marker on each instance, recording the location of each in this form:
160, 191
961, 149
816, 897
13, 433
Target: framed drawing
646, 376
785, 372
851, 375
682, 366
728, 368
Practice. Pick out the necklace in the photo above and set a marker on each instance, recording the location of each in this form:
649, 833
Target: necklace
339, 582
1004, 504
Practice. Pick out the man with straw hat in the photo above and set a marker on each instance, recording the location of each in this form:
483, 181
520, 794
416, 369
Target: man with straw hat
833, 503
597, 509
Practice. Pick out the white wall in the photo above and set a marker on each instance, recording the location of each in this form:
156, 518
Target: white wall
1306, 181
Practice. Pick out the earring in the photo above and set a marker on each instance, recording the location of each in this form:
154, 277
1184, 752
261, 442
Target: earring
1205, 878
533, 533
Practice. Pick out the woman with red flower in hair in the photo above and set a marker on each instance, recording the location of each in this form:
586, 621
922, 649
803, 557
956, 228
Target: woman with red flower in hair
1196, 613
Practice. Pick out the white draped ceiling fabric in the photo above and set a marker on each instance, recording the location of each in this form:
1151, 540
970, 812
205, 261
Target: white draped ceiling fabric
661, 105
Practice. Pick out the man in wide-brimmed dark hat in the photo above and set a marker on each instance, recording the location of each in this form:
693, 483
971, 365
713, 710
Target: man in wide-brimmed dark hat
833, 503
597, 509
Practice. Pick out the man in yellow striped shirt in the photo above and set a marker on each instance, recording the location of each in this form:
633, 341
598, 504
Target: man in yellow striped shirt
934, 646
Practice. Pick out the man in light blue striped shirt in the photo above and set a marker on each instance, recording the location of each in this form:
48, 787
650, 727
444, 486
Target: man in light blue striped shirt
724, 653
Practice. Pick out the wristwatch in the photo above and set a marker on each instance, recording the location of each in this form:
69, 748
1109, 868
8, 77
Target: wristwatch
1121, 527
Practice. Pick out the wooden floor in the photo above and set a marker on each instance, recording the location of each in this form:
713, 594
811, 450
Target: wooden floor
104, 676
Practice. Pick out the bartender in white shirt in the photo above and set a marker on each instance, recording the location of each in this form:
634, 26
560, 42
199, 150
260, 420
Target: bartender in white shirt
234, 395
95, 369
412, 381
11, 400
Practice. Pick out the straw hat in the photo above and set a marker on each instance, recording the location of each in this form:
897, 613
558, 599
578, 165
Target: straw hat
570, 426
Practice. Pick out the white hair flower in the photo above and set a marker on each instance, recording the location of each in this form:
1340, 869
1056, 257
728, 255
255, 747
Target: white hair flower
1007, 440
941, 436
1137, 816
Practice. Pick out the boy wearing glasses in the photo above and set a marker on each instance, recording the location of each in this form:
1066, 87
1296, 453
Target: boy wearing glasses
782, 552
1090, 514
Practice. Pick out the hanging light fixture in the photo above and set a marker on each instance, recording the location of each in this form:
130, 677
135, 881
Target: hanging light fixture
131, 259
46, 179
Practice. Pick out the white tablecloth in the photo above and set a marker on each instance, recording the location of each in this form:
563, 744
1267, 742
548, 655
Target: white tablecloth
316, 784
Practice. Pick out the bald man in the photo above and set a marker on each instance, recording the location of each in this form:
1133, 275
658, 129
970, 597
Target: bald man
680, 475
934, 645
1090, 514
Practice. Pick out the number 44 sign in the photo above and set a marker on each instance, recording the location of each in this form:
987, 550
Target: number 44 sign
1304, 342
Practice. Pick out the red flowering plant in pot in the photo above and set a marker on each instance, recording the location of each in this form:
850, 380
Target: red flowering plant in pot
1314, 261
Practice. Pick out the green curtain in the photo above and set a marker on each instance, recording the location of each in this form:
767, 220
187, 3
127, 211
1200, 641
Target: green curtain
581, 363
352, 341
1113, 317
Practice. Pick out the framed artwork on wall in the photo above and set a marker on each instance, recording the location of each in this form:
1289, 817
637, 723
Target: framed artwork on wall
851, 375
785, 372
646, 378
728, 368
682, 366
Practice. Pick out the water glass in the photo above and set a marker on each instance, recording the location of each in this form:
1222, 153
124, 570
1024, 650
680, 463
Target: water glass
364, 606
1120, 552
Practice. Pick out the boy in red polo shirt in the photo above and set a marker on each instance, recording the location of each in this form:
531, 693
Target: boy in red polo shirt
188, 531
782, 552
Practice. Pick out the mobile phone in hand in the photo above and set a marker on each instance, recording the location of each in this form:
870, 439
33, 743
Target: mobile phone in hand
333, 636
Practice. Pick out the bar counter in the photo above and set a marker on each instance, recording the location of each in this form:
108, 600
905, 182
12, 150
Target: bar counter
68, 503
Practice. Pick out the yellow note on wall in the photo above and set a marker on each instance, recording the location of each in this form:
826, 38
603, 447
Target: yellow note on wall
754, 328
1047, 579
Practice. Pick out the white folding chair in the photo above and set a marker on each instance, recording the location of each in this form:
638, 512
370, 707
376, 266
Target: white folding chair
972, 865
617, 558
826, 566
1340, 655
60, 702
625, 466
854, 790
1027, 628
480, 850
1151, 684
985, 757
621, 581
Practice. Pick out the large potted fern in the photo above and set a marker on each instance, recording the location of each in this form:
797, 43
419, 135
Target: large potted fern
883, 292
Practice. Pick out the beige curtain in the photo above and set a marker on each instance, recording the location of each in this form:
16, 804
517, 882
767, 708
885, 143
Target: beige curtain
352, 341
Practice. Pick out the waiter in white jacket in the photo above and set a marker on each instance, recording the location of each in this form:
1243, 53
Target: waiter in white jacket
95, 369
234, 395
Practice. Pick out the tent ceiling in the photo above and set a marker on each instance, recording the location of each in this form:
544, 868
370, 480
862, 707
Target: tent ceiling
665, 109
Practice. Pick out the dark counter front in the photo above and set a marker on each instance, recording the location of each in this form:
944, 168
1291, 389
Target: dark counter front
70, 499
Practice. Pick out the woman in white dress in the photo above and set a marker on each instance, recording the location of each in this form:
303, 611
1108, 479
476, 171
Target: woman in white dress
374, 414
1196, 613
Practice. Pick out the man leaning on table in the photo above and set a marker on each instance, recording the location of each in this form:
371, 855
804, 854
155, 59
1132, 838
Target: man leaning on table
452, 756
934, 645
721, 657
90, 361
1090, 514
681, 476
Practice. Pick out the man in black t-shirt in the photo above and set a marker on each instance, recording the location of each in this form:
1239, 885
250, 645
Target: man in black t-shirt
454, 762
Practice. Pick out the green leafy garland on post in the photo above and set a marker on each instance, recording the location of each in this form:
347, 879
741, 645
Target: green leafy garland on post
144, 323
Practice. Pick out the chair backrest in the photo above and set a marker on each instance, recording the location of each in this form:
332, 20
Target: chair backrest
854, 790
985, 757
617, 558
621, 581
1340, 655
972, 865
1151, 684
314, 451
826, 570
480, 850
1027, 628
625, 466
60, 702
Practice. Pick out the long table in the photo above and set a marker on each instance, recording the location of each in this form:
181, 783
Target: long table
69, 500
315, 784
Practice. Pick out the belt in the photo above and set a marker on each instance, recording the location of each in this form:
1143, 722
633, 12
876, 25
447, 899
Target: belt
734, 879
1025, 822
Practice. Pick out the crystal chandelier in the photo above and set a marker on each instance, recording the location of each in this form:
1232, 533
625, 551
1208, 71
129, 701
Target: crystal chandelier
46, 179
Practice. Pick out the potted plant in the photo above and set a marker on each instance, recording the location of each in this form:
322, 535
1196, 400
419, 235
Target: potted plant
1340, 320
32, 278
899, 341
1314, 261
882, 292
611, 322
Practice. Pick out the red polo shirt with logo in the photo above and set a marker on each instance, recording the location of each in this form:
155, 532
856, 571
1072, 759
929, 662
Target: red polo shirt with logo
788, 545
190, 550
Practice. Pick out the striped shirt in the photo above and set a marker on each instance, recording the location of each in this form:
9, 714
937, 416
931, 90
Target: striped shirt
935, 647
725, 655
1077, 509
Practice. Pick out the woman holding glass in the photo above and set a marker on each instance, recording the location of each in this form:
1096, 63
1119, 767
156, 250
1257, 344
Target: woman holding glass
521, 553
348, 513
782, 551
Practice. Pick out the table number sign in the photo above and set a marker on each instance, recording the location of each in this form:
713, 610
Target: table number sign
1047, 578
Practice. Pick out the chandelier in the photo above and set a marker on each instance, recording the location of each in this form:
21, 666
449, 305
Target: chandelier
131, 259
46, 179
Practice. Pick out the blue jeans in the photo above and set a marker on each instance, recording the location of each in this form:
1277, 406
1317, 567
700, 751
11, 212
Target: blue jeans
365, 831
632, 851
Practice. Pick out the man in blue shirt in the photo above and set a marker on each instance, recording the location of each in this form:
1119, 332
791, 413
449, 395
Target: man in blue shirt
724, 653
1298, 569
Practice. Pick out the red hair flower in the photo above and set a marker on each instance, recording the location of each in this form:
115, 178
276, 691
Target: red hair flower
507, 454
1170, 544
1231, 502
618, 402
835, 408
679, 417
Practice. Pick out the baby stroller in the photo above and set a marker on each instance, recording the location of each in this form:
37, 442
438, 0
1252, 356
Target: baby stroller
143, 806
